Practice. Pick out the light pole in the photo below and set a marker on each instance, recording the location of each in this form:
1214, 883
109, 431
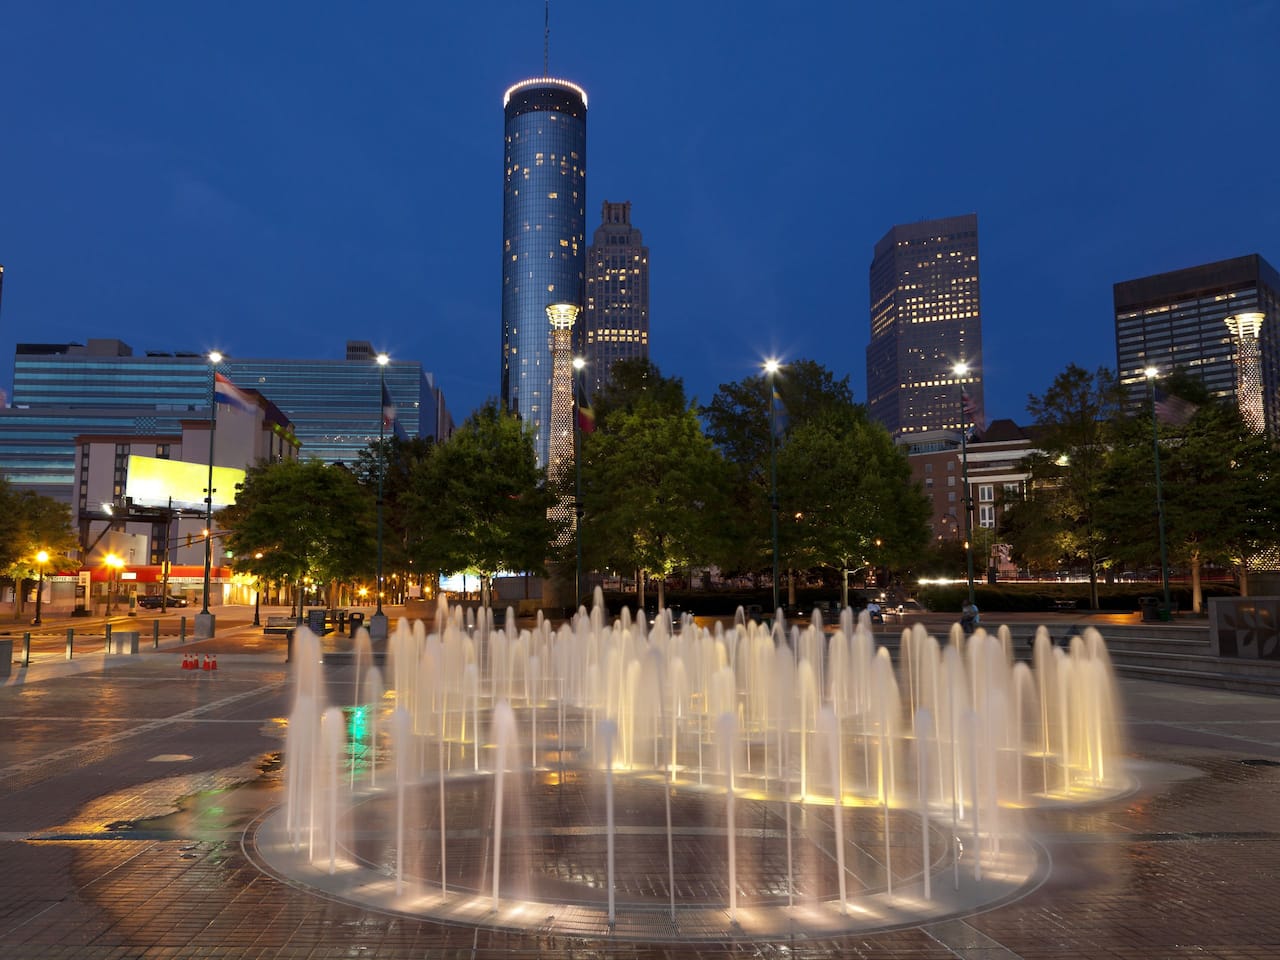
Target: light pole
42, 557
1151, 373
114, 563
205, 620
771, 369
378, 622
578, 364
257, 594
961, 370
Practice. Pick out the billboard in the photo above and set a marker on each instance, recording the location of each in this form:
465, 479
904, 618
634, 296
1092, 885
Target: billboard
153, 482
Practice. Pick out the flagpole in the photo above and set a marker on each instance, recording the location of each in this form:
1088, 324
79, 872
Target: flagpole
961, 370
578, 364
378, 622
205, 621
771, 370
1151, 373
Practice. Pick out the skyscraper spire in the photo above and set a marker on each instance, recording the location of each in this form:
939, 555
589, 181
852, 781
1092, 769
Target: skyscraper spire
546, 38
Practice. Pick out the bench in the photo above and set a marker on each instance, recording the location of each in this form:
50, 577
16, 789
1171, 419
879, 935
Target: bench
280, 624
1066, 604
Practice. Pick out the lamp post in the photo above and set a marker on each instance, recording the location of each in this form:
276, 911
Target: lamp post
378, 622
578, 364
961, 370
771, 369
205, 621
114, 563
42, 557
257, 594
1151, 373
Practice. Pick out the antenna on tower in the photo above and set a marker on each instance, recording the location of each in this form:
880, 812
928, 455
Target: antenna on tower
546, 38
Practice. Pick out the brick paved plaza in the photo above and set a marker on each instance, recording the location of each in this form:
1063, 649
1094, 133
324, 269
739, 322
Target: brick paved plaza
130, 788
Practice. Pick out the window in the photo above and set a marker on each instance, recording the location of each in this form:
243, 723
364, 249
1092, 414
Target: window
951, 481
986, 493
986, 515
928, 483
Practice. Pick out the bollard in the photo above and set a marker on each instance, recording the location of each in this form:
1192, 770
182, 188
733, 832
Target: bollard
26, 649
71, 641
107, 630
155, 634
182, 631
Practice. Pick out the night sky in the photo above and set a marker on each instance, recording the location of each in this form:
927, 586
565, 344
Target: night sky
273, 179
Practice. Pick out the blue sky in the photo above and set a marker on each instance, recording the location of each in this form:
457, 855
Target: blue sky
274, 179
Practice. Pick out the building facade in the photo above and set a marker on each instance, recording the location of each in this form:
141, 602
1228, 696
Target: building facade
1219, 322
926, 317
615, 319
335, 406
544, 205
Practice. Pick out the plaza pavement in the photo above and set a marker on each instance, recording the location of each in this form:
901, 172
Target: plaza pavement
127, 785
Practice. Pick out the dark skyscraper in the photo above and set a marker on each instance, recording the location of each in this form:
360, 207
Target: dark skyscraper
1218, 322
543, 237
926, 316
615, 323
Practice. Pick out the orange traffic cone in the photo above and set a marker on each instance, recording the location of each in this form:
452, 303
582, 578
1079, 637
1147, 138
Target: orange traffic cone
186, 662
213, 662
204, 665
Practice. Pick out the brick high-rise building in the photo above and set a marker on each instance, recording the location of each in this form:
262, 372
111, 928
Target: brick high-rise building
615, 323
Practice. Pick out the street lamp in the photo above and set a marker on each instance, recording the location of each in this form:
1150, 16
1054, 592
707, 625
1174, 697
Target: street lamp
579, 363
961, 370
114, 563
257, 593
378, 622
42, 557
204, 619
1151, 373
771, 367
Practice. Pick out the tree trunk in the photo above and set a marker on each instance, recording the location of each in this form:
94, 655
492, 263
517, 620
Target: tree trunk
662, 592
1093, 586
1244, 579
791, 589
640, 578
1196, 598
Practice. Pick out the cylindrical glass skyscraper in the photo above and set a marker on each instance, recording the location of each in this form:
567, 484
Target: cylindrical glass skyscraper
543, 236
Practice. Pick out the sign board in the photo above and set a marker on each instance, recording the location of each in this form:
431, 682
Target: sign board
153, 482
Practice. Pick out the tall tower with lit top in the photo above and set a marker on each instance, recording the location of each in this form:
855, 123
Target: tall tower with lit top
543, 237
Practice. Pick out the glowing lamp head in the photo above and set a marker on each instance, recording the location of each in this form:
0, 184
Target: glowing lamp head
961, 369
1150, 373
772, 366
42, 556
382, 359
215, 356
579, 363
562, 315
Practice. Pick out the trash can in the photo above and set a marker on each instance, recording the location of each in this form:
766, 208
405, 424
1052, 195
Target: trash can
339, 618
1151, 609
6, 658
357, 621
316, 622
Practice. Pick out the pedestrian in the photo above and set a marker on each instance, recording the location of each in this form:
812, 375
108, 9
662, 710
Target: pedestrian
969, 618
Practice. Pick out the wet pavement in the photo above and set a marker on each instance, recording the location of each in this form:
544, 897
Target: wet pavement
127, 786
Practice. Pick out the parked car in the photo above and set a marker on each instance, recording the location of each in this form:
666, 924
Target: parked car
152, 601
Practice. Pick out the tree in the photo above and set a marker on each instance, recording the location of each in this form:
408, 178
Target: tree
634, 381
739, 421
31, 522
403, 457
305, 518
481, 501
1059, 520
849, 497
653, 492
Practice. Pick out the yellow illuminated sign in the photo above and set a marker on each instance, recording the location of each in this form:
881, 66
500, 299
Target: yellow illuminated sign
153, 482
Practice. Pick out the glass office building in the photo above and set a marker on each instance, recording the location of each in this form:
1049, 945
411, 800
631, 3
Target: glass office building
926, 316
61, 390
1190, 320
615, 321
543, 237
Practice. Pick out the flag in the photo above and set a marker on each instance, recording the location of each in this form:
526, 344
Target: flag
779, 414
1173, 411
969, 406
388, 409
224, 391
586, 419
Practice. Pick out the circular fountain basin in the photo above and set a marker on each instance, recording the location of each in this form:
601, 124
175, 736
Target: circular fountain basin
668, 885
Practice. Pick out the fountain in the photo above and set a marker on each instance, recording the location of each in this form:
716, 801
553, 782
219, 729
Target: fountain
687, 782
